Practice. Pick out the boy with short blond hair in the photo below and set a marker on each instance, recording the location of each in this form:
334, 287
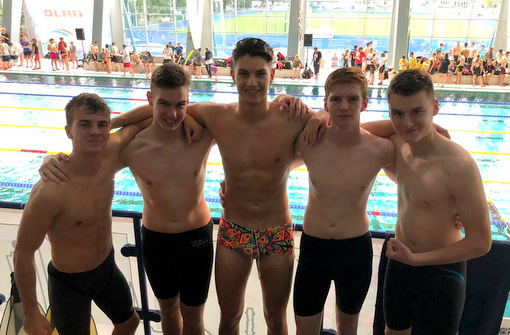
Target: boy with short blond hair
336, 244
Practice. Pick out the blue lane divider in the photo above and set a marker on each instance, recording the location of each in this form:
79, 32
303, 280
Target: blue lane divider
217, 200
233, 92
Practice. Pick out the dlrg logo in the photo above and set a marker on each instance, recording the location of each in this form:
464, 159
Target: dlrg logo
62, 13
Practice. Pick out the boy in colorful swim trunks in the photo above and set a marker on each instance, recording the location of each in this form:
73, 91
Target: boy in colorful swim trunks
336, 244
76, 217
177, 227
438, 180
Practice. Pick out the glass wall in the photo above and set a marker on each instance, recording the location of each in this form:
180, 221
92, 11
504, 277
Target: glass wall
335, 25
339, 25
234, 20
439, 21
151, 24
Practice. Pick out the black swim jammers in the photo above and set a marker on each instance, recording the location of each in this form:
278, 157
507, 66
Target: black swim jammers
347, 262
71, 295
428, 298
179, 263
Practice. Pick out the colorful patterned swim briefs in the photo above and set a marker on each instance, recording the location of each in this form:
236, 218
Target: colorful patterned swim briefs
254, 243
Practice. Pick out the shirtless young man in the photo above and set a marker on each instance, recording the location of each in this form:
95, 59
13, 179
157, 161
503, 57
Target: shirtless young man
437, 180
336, 244
76, 216
177, 226
456, 52
256, 141
503, 68
52, 48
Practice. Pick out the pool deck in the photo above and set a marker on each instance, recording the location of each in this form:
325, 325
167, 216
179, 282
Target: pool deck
47, 70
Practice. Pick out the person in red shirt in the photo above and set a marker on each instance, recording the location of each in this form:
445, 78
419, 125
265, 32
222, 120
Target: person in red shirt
359, 57
61, 51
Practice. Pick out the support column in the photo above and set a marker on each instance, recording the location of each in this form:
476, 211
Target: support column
100, 22
207, 27
116, 24
12, 18
399, 34
296, 30
502, 39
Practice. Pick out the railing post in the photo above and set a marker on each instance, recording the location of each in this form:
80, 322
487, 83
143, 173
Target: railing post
141, 276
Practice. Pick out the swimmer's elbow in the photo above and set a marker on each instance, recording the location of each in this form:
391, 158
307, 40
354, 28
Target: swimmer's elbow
482, 247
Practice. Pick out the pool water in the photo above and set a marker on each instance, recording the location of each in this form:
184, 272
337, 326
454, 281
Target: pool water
32, 121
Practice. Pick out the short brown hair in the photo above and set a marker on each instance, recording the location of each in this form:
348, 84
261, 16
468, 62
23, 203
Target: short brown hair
412, 81
91, 102
347, 75
170, 75
253, 47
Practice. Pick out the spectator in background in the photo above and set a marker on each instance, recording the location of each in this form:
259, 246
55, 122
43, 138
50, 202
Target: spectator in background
5, 36
208, 61
503, 68
35, 53
359, 57
499, 56
53, 50
126, 59
488, 71
472, 53
456, 52
334, 61
73, 54
94, 52
345, 58
317, 57
353, 55
412, 61
27, 53
488, 55
297, 65
61, 46
108, 58
167, 55
178, 53
382, 68
198, 62
403, 64
460, 69
465, 51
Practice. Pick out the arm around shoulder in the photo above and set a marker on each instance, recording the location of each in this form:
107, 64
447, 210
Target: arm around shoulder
133, 116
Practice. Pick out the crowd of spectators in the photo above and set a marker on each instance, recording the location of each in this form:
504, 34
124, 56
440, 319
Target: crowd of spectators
460, 60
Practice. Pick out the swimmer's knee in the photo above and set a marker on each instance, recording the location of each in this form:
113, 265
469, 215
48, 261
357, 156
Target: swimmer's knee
276, 321
127, 327
192, 314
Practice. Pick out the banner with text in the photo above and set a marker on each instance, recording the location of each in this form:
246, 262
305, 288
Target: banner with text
55, 18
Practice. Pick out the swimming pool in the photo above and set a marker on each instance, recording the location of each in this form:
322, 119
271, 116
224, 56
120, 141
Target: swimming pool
32, 121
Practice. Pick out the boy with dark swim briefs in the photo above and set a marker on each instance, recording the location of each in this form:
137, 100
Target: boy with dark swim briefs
437, 181
76, 217
336, 244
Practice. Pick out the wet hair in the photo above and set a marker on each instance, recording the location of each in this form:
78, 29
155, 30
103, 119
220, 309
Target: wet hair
410, 82
347, 75
253, 47
90, 102
170, 75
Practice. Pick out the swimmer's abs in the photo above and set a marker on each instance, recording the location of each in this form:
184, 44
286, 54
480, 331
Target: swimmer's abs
423, 240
